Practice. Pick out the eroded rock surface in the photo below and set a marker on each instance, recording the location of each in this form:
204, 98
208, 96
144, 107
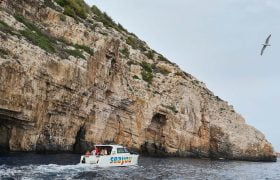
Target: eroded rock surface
52, 99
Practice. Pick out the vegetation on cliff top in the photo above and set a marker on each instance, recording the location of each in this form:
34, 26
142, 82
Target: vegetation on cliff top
48, 42
39, 40
135, 43
74, 8
78, 8
148, 70
164, 59
75, 53
106, 20
35, 35
150, 54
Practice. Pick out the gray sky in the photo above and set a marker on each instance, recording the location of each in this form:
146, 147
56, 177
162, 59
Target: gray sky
219, 42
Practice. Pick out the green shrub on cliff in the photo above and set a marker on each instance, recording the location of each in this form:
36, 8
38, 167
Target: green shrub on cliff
164, 59
135, 77
147, 72
3, 53
69, 11
74, 8
135, 43
147, 66
36, 36
147, 76
121, 28
125, 52
49, 43
62, 17
38, 40
49, 3
103, 17
77, 46
150, 54
106, 20
28, 24
75, 52
85, 48
6, 28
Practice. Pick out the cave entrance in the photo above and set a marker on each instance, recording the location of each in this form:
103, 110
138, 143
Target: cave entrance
155, 138
5, 132
8, 120
81, 145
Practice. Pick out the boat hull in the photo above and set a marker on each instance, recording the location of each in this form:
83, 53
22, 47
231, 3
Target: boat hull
111, 160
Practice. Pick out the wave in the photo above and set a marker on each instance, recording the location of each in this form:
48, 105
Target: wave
44, 171
55, 171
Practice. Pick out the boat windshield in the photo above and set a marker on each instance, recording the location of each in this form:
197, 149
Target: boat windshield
103, 150
122, 150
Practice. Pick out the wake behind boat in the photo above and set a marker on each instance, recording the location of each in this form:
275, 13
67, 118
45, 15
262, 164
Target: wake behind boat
110, 155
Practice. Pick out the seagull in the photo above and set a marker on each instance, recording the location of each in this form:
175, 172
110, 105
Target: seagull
265, 44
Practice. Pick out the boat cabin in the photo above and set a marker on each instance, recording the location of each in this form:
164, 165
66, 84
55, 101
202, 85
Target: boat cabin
109, 150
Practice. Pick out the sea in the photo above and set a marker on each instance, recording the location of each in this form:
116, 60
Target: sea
27, 166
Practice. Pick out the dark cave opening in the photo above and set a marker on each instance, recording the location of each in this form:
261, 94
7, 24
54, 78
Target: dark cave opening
4, 137
8, 120
155, 139
81, 145
159, 119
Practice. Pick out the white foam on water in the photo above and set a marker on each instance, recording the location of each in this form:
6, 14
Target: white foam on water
50, 170
55, 171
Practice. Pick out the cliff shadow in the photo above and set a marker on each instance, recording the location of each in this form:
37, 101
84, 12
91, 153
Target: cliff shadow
5, 136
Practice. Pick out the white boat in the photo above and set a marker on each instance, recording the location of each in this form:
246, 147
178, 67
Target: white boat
110, 155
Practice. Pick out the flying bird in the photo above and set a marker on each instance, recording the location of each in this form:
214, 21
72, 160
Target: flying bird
265, 44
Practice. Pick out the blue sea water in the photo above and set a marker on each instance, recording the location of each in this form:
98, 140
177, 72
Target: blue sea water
66, 166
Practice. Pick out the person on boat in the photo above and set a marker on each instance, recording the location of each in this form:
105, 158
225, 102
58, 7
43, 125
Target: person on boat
102, 152
87, 153
93, 152
96, 151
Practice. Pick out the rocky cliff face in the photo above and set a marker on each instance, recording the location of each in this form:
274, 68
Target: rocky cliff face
67, 83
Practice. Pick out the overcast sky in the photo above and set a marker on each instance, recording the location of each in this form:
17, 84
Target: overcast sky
219, 42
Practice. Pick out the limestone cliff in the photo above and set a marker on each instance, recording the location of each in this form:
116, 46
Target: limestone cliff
71, 78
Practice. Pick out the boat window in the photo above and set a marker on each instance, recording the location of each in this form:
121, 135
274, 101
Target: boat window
103, 150
122, 150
